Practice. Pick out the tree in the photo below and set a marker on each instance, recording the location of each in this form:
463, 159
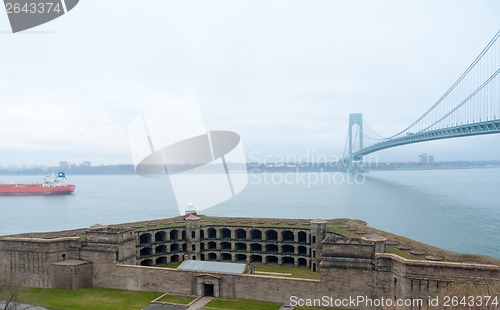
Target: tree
11, 287
9, 291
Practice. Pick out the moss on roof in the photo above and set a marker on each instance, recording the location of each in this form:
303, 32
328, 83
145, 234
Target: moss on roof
399, 245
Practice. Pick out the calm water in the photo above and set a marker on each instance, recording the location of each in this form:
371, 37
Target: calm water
454, 209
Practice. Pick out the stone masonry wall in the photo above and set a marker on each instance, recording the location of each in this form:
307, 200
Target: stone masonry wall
25, 261
174, 281
421, 279
348, 267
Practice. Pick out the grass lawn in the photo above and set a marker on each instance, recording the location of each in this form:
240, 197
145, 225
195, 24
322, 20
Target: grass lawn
238, 304
173, 266
87, 299
297, 272
318, 308
404, 253
181, 300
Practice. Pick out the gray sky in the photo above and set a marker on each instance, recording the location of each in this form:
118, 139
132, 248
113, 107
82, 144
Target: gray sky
282, 74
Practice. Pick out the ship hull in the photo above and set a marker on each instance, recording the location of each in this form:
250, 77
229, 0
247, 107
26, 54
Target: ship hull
34, 190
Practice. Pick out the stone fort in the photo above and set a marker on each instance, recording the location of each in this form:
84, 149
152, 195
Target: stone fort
350, 258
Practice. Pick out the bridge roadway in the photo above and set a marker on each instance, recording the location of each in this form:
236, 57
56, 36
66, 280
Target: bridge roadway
479, 128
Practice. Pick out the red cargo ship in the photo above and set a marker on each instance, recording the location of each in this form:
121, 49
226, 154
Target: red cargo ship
52, 185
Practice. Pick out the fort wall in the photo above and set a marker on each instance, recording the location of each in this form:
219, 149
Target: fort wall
300, 246
113, 258
28, 260
244, 286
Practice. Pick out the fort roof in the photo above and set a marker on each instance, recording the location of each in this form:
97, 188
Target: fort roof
346, 227
212, 267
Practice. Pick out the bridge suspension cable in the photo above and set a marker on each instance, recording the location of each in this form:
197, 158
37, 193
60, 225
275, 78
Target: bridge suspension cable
379, 137
493, 59
471, 106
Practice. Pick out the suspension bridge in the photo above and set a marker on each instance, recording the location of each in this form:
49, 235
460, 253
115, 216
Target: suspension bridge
471, 106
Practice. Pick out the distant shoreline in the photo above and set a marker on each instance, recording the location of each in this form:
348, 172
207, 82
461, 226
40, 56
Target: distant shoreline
255, 168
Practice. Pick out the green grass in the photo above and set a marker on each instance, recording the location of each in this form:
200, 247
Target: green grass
404, 253
162, 226
457, 257
334, 226
207, 221
87, 299
238, 304
297, 272
265, 224
172, 266
222, 222
181, 300
341, 231
318, 308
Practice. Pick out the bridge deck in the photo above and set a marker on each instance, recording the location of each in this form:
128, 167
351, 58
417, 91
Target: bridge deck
479, 128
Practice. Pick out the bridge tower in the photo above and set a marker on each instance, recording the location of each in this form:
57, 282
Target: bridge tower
354, 119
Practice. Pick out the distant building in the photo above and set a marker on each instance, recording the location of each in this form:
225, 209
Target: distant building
86, 164
423, 159
430, 159
63, 165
